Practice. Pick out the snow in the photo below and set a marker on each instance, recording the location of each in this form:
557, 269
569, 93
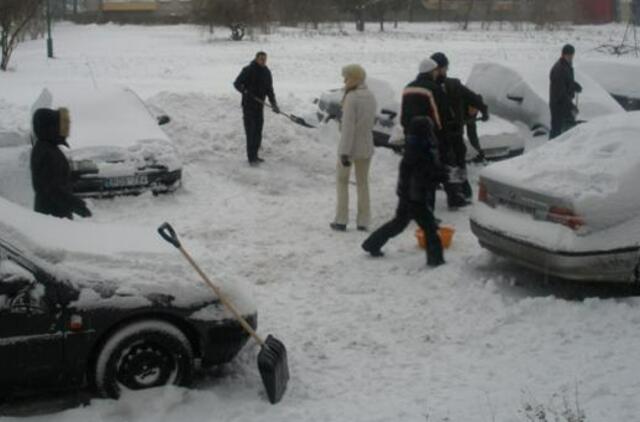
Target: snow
367, 340
595, 166
617, 76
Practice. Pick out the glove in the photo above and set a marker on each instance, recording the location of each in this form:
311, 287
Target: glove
344, 159
275, 108
484, 114
577, 87
82, 210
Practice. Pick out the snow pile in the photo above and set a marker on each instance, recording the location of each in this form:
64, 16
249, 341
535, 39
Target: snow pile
596, 166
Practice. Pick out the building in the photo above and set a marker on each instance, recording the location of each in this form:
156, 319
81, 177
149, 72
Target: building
139, 10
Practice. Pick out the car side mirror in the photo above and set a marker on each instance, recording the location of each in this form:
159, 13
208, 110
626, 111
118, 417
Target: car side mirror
163, 120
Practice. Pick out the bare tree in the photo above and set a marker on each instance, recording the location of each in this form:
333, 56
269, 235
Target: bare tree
15, 16
237, 15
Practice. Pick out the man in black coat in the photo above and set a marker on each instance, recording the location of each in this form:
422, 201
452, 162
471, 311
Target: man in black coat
255, 83
562, 91
50, 170
454, 114
420, 172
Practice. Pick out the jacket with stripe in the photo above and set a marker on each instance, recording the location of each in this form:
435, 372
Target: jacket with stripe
420, 99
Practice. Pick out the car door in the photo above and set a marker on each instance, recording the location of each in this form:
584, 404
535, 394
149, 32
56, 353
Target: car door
31, 341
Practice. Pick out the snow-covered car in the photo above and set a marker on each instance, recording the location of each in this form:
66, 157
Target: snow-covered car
521, 94
570, 208
499, 139
106, 306
620, 79
117, 146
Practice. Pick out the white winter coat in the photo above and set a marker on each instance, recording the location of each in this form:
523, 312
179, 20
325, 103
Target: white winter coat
358, 116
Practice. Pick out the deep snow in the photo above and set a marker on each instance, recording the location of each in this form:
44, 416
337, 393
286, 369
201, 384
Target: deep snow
368, 340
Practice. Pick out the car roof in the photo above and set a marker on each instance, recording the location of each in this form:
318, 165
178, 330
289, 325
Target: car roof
102, 116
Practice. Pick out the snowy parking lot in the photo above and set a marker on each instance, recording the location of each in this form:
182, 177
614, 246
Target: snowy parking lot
478, 339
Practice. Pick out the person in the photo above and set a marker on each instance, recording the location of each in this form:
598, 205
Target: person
255, 83
355, 147
420, 172
50, 170
562, 90
472, 134
454, 115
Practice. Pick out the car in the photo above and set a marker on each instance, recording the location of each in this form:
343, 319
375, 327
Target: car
117, 146
105, 306
618, 78
499, 139
569, 208
521, 94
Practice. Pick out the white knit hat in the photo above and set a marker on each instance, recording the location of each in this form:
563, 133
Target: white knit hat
427, 65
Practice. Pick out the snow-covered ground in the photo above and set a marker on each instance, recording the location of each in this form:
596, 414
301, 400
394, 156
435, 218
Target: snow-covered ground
369, 340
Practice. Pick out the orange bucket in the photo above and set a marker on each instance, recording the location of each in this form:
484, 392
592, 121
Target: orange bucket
445, 233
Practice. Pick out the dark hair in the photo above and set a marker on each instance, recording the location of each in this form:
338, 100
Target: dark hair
568, 50
440, 59
261, 53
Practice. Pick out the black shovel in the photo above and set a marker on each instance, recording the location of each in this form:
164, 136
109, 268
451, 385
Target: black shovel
295, 119
272, 359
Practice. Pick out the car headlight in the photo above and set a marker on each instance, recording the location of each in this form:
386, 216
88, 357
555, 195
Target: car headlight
84, 167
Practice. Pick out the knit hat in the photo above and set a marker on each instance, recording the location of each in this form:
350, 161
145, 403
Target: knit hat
427, 65
354, 75
441, 59
568, 50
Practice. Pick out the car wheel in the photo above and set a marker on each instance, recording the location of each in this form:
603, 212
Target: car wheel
141, 355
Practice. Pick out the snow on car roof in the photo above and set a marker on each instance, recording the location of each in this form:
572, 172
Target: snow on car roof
595, 165
135, 258
617, 77
102, 116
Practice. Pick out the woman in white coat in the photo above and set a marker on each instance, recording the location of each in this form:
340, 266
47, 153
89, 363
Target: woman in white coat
356, 147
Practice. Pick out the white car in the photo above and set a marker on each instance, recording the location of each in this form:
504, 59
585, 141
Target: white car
619, 78
570, 208
499, 139
117, 146
522, 94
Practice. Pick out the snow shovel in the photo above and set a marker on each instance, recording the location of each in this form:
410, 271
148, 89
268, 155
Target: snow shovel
295, 119
272, 359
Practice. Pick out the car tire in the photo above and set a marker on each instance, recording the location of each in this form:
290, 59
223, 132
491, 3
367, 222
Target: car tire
143, 354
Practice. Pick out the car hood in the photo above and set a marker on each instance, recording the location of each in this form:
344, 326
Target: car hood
126, 266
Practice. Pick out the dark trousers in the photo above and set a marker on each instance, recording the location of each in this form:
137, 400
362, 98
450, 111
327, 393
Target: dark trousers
560, 123
253, 124
406, 212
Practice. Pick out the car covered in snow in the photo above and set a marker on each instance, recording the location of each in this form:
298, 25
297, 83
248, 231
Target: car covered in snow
570, 208
117, 146
619, 78
106, 306
498, 138
521, 94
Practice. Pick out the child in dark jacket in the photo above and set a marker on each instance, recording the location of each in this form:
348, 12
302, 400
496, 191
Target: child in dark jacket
420, 172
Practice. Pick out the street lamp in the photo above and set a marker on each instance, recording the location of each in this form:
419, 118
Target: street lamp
49, 39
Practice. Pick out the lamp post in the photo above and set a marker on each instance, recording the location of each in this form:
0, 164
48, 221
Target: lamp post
49, 39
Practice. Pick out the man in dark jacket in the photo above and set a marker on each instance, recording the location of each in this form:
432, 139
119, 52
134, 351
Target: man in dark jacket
454, 114
562, 91
420, 173
50, 171
255, 83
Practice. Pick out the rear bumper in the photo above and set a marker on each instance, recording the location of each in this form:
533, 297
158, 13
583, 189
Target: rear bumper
158, 182
620, 265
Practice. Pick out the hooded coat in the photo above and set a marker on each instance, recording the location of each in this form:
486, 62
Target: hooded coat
50, 170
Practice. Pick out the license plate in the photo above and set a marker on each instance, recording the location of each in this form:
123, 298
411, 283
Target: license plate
120, 182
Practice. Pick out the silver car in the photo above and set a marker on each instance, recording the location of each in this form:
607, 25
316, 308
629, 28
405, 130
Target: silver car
570, 208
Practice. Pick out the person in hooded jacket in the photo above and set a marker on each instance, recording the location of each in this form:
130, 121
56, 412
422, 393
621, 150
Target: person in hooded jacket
255, 83
420, 172
454, 115
50, 170
356, 147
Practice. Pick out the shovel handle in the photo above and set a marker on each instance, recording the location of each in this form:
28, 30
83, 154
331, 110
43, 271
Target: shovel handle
168, 234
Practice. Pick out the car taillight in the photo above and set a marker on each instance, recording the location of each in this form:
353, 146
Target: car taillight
566, 217
483, 195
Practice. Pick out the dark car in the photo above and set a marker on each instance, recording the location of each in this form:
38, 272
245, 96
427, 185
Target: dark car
117, 146
65, 324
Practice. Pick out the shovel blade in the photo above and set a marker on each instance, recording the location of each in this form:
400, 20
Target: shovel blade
301, 121
274, 368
